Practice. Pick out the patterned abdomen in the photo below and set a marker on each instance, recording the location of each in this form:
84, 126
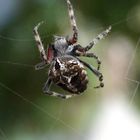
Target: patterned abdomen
69, 73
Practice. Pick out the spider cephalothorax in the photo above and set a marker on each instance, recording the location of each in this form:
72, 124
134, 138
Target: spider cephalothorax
66, 69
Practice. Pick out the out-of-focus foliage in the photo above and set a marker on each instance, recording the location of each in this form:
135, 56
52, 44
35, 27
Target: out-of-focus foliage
25, 113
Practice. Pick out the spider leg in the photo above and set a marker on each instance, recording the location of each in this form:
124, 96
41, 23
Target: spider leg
39, 42
96, 72
73, 23
80, 51
90, 55
47, 85
97, 39
47, 91
40, 65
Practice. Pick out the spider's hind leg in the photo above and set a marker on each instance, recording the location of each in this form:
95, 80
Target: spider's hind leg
59, 95
96, 72
95, 57
86, 54
47, 91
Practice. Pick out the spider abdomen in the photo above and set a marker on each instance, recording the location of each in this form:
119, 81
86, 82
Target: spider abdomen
69, 73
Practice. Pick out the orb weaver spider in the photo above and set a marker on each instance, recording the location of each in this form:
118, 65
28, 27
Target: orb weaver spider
67, 70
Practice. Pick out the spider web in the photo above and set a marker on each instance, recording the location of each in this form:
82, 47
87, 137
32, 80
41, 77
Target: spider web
57, 119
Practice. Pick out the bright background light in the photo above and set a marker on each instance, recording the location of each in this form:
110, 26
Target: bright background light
116, 121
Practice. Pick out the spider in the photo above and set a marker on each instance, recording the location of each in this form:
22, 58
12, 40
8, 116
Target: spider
66, 69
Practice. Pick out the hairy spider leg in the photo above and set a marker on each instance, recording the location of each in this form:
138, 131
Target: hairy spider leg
40, 65
98, 38
86, 54
47, 84
47, 91
96, 72
39, 42
73, 23
82, 51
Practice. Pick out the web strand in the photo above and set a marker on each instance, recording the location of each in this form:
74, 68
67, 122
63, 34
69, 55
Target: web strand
3, 135
57, 119
16, 63
41, 109
128, 69
32, 39
16, 39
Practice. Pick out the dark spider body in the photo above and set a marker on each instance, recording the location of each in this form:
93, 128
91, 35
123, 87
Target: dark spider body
67, 70
69, 73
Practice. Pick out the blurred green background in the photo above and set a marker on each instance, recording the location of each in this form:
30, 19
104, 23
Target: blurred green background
25, 112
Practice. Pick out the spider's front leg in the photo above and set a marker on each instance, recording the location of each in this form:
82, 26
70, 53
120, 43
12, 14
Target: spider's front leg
96, 72
47, 91
40, 47
73, 23
40, 65
98, 38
